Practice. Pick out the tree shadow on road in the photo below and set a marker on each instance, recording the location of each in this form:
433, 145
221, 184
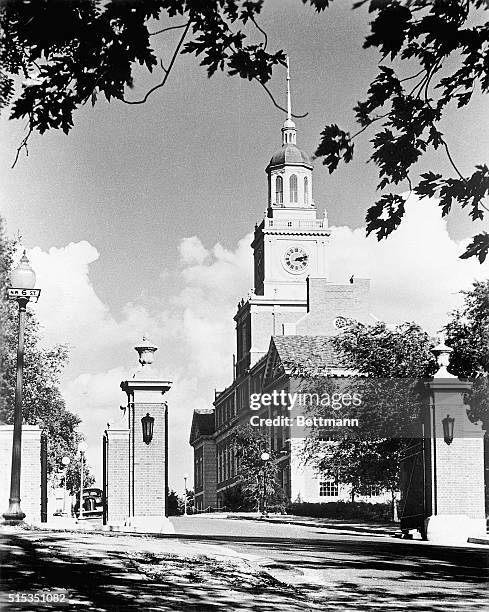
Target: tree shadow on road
126, 581
365, 574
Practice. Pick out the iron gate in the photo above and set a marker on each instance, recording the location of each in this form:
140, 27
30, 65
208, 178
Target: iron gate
413, 506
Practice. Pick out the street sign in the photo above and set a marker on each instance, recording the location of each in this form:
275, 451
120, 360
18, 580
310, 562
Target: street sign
30, 294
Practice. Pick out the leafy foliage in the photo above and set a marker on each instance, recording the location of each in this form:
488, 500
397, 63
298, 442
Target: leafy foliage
389, 363
43, 404
258, 478
411, 108
175, 504
69, 53
467, 333
382, 352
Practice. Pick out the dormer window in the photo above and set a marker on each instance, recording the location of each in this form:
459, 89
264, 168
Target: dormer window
293, 188
279, 190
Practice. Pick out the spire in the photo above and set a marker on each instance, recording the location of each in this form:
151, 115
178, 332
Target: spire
288, 130
289, 104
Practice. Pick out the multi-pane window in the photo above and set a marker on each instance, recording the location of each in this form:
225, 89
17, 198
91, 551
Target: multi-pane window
306, 191
328, 488
279, 190
293, 188
374, 491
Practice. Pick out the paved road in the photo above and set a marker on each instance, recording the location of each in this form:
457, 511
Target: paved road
332, 570
356, 571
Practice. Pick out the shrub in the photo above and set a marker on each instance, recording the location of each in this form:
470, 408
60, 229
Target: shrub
343, 510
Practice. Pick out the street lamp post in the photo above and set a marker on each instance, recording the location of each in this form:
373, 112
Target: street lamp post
185, 476
82, 449
265, 457
22, 280
66, 462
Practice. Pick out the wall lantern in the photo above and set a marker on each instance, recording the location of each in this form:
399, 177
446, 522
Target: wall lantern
148, 425
448, 423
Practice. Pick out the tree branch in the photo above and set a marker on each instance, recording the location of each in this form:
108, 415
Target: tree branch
167, 71
452, 162
262, 31
435, 69
178, 27
411, 77
369, 124
23, 145
275, 103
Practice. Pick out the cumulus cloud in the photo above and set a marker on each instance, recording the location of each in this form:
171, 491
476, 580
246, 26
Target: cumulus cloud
192, 251
416, 275
70, 309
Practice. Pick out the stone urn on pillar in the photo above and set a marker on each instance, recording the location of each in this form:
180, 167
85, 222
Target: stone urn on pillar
147, 415
456, 459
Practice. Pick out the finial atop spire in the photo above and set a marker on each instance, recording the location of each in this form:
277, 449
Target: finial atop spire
288, 130
289, 104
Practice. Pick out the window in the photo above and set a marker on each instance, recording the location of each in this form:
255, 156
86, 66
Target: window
279, 190
293, 188
306, 191
328, 488
373, 491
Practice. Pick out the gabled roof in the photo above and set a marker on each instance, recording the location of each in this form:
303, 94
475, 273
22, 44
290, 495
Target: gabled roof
203, 424
306, 355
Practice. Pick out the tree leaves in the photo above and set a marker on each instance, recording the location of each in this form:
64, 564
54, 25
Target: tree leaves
43, 403
428, 33
389, 28
385, 215
469, 193
71, 52
335, 145
479, 247
389, 362
319, 5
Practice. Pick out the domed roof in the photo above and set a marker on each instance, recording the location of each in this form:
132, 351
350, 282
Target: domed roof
290, 154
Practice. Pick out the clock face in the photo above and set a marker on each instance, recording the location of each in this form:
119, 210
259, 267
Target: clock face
296, 259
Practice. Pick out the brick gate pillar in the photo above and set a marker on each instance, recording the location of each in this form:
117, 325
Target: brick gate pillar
456, 459
148, 445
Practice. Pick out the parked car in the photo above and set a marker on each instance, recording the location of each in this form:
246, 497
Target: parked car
92, 503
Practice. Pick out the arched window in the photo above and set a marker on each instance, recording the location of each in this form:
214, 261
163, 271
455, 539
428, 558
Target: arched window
306, 191
279, 190
293, 188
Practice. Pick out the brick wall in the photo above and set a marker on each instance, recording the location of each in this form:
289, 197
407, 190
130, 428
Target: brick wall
460, 477
327, 301
458, 467
149, 486
269, 322
117, 475
30, 481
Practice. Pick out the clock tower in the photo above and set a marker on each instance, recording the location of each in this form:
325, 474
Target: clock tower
289, 245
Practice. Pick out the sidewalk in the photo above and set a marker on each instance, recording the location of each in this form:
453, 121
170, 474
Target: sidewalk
338, 526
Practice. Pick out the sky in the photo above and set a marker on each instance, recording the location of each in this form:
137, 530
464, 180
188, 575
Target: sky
140, 220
